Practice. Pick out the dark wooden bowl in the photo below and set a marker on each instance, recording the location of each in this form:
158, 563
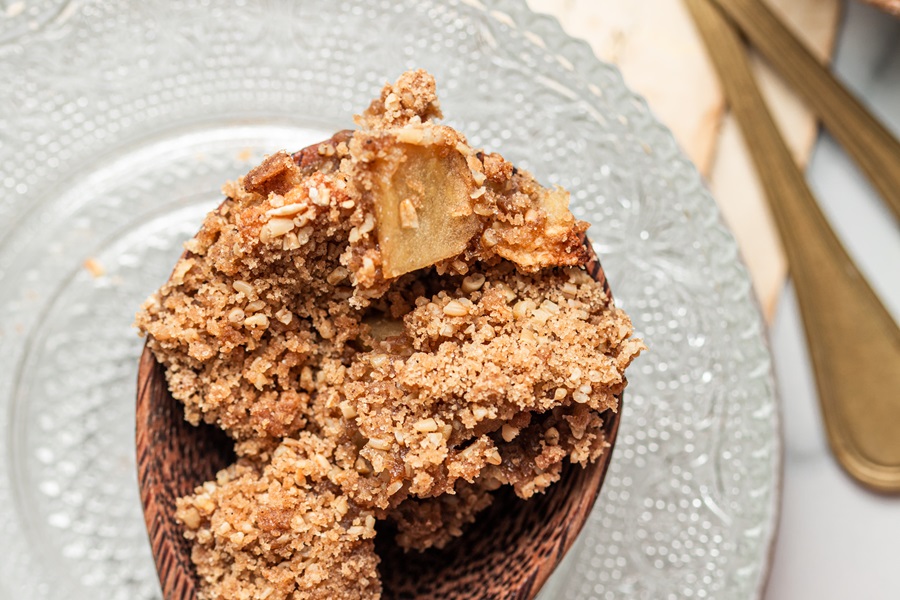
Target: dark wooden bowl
509, 552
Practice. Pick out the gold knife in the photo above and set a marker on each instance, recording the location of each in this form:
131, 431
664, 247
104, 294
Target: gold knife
854, 342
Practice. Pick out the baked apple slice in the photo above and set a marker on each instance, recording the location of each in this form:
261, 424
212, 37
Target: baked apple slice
422, 199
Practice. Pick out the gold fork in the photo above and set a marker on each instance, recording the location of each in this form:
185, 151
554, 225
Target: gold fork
854, 342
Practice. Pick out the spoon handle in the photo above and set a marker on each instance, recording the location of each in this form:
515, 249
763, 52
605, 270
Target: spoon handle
854, 342
871, 145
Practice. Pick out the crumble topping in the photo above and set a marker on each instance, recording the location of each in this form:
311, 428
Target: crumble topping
390, 325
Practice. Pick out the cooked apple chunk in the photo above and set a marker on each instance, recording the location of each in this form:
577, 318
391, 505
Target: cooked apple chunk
432, 194
421, 195
550, 234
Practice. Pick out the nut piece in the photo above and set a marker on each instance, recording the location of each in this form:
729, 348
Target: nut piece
455, 308
379, 444
409, 219
523, 308
508, 432
551, 436
472, 283
286, 210
255, 306
276, 228
190, 517
493, 457
348, 410
290, 241
242, 287
338, 275
284, 315
258, 320
426, 425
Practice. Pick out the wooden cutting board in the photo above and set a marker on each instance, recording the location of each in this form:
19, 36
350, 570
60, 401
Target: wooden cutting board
661, 56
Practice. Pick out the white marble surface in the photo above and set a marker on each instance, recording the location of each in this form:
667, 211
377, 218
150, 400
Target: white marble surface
838, 540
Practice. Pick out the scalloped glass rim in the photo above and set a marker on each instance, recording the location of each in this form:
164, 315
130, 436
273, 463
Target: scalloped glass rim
118, 122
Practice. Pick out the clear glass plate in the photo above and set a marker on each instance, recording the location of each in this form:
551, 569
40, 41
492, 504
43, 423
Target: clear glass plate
120, 120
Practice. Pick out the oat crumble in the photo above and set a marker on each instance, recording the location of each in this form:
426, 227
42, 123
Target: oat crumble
390, 325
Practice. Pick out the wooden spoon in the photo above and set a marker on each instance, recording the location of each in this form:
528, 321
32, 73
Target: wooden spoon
509, 552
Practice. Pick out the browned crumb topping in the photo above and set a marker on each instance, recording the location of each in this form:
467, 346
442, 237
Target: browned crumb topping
434, 522
413, 99
391, 325
286, 531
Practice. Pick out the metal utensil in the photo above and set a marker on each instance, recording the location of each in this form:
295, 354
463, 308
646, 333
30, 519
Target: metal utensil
870, 144
854, 342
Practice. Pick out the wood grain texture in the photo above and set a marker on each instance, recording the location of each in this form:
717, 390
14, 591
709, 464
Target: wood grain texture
508, 553
173, 457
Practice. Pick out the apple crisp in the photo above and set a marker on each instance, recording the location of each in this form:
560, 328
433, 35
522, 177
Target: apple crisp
390, 325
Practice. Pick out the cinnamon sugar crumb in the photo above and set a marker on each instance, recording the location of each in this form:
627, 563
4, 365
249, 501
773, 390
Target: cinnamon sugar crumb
93, 266
370, 368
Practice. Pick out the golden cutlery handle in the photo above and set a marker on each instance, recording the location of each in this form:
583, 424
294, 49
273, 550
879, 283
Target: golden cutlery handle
854, 343
870, 144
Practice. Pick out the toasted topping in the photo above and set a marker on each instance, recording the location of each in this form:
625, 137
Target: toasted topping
390, 324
